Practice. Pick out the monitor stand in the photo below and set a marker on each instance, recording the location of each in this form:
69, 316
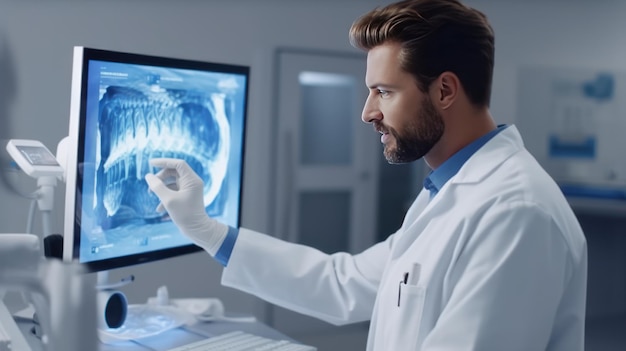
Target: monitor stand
120, 322
112, 303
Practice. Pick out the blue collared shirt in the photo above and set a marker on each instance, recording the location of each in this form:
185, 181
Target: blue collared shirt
440, 176
223, 254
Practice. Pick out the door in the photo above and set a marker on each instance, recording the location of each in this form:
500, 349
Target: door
327, 159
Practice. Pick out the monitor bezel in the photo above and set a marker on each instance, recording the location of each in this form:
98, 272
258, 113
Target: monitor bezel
75, 151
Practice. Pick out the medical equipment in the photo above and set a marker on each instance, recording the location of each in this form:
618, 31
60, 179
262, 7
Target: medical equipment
241, 341
38, 162
34, 158
5, 337
125, 109
10, 336
63, 300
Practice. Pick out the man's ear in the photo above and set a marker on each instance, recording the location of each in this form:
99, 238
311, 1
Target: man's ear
447, 88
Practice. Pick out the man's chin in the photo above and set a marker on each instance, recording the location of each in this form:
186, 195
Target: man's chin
394, 157
391, 155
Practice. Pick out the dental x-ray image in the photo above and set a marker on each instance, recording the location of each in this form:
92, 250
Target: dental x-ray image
137, 112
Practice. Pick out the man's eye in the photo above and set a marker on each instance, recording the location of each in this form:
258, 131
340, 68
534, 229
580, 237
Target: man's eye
382, 92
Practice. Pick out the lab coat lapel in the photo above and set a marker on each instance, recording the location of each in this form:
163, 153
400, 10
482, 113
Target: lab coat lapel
477, 167
489, 157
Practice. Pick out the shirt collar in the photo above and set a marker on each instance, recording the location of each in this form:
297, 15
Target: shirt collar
440, 176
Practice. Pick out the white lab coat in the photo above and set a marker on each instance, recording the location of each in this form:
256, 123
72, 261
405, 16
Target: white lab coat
496, 261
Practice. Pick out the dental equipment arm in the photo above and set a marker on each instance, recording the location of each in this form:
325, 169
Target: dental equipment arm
63, 300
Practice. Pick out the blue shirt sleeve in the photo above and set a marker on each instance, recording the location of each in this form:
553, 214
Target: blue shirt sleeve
223, 254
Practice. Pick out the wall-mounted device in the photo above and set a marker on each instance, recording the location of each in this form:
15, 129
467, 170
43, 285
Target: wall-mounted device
34, 158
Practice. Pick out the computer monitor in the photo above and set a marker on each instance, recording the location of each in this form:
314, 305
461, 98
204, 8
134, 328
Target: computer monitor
125, 109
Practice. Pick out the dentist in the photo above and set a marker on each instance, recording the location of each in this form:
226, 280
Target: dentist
490, 256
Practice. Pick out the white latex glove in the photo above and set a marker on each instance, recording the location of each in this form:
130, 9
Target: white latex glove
182, 198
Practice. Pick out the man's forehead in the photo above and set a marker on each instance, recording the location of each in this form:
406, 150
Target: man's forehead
383, 62
385, 52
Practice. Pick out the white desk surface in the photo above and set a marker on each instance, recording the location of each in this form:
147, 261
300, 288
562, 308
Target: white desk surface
172, 338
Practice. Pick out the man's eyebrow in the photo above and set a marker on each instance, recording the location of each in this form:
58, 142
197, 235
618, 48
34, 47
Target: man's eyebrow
380, 85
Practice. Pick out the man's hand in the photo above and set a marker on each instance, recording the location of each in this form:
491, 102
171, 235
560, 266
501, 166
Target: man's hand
181, 192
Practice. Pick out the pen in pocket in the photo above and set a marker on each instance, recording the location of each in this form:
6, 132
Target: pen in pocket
404, 280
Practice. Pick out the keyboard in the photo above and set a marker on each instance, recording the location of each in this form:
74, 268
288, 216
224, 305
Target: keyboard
242, 341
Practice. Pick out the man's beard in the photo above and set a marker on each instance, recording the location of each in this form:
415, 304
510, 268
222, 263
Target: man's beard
418, 137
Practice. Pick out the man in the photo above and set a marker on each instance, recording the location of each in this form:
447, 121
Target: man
489, 257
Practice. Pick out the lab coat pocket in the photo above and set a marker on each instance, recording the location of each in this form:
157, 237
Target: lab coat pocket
407, 319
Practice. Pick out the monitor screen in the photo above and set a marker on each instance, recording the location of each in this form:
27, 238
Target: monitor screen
126, 109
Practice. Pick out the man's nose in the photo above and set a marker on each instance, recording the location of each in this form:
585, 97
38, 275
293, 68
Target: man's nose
371, 112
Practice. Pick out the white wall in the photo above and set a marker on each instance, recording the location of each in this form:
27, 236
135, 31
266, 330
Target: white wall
39, 37
563, 33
